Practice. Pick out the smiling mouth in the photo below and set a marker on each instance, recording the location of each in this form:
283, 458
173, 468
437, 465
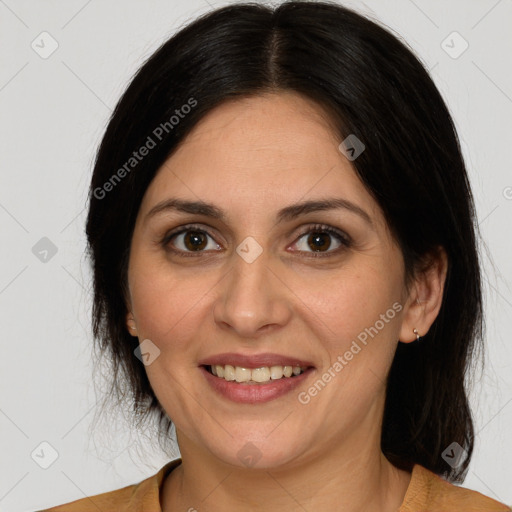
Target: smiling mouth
261, 375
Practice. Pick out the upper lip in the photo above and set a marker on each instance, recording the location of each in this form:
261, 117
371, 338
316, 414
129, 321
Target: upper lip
254, 360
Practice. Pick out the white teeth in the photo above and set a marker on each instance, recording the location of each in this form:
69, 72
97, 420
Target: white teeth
242, 374
276, 372
229, 372
262, 374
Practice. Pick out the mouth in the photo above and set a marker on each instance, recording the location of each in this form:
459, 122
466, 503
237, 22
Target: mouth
252, 376
255, 385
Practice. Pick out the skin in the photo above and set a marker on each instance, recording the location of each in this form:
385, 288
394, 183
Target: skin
252, 157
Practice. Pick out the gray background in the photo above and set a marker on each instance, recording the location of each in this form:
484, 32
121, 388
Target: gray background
53, 113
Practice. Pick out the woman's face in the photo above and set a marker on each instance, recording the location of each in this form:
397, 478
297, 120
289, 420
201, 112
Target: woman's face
261, 279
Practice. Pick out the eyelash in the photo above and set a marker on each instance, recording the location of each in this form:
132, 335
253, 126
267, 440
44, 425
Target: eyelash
316, 228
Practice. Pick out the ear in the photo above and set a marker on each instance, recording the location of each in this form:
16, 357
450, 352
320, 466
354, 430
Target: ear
426, 296
130, 324
130, 318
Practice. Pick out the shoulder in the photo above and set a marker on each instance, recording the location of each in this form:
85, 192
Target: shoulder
141, 497
428, 491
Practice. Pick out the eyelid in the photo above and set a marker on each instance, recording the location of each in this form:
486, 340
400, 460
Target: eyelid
344, 239
186, 227
164, 242
325, 228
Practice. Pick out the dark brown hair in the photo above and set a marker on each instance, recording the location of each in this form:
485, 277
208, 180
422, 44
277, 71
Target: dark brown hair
372, 86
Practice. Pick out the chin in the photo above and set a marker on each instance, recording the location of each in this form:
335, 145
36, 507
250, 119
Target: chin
259, 454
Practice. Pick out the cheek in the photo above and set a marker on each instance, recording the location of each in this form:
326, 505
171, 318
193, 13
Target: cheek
358, 323
361, 309
166, 305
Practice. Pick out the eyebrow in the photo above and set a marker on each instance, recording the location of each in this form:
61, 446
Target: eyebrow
285, 214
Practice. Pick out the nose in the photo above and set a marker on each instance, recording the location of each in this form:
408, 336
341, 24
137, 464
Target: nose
252, 299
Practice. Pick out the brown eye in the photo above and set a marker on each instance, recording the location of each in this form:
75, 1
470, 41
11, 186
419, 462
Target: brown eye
190, 240
195, 240
319, 241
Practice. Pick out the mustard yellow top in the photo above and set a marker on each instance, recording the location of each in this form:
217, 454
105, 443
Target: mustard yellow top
427, 492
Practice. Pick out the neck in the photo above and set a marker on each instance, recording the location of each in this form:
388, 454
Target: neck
354, 477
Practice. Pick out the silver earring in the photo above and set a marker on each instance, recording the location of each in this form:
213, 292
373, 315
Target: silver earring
415, 331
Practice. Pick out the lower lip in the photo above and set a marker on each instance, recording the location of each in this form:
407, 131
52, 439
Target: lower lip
254, 393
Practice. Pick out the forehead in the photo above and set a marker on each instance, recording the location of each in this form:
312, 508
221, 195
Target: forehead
277, 123
266, 150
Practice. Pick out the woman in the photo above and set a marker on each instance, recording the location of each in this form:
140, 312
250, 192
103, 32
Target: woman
283, 242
